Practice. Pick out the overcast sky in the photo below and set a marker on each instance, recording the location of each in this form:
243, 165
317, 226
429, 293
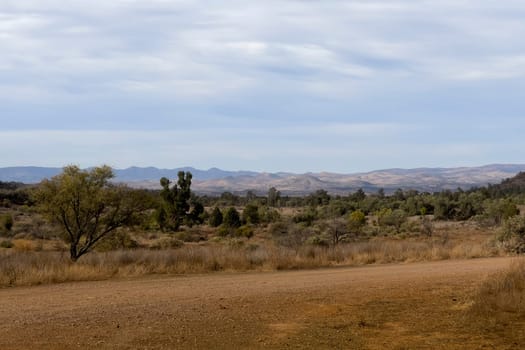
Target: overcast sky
329, 85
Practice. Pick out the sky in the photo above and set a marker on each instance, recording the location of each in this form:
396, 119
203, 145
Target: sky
287, 85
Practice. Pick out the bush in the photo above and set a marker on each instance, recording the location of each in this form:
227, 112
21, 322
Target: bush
513, 235
356, 221
190, 235
307, 217
268, 215
279, 228
6, 244
245, 231
232, 218
393, 218
215, 219
318, 240
250, 214
7, 222
119, 240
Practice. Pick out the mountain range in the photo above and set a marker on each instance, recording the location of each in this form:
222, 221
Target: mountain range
216, 181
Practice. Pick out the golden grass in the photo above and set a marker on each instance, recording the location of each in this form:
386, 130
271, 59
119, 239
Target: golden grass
502, 293
27, 267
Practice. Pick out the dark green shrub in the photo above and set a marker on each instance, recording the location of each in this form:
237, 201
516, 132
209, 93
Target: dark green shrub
6, 244
119, 240
232, 218
245, 231
7, 222
250, 214
513, 234
215, 219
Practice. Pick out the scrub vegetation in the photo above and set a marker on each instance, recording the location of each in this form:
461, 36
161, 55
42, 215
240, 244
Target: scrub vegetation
81, 226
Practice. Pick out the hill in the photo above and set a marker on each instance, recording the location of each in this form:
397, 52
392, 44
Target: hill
216, 181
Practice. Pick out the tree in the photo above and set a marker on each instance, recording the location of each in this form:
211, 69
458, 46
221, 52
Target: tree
215, 219
250, 214
513, 234
86, 206
394, 218
274, 197
232, 218
336, 228
356, 221
318, 198
175, 206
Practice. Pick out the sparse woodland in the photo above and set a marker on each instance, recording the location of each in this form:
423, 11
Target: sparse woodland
79, 225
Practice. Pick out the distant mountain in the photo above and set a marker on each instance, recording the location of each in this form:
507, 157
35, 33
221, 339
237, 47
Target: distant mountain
27, 174
30, 174
154, 174
216, 181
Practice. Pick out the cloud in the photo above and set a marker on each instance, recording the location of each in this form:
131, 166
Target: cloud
243, 81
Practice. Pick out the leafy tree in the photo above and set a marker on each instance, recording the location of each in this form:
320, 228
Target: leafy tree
86, 206
232, 219
175, 207
356, 221
513, 234
215, 219
318, 198
394, 218
250, 214
499, 210
359, 195
337, 230
196, 215
268, 215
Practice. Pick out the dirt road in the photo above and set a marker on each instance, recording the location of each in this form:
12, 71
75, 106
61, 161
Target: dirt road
411, 306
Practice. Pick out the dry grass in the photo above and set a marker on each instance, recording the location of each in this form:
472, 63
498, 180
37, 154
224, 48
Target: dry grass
502, 293
23, 266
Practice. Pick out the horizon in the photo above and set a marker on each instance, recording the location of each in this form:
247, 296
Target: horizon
268, 172
341, 87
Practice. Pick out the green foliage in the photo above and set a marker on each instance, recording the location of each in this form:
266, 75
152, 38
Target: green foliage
497, 211
318, 240
307, 216
175, 207
215, 219
120, 240
86, 206
513, 234
393, 218
444, 208
196, 215
245, 231
6, 244
6, 222
232, 218
337, 230
356, 221
250, 214
190, 235
268, 215
318, 198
